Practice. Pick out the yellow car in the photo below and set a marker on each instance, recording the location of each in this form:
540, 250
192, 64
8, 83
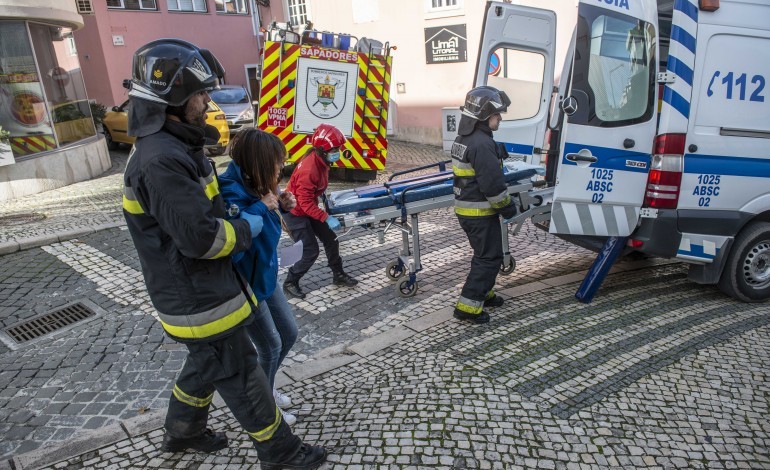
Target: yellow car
115, 126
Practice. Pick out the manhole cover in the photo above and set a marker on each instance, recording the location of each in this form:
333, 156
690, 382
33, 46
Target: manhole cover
51, 322
20, 219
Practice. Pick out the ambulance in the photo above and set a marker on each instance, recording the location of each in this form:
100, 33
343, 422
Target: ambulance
315, 77
658, 132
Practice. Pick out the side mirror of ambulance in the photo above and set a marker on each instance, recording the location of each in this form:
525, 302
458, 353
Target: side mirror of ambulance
347, 154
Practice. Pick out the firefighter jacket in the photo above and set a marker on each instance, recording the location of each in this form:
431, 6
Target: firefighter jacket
308, 182
176, 218
479, 185
259, 264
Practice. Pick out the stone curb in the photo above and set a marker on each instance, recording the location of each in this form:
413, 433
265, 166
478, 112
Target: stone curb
21, 244
322, 362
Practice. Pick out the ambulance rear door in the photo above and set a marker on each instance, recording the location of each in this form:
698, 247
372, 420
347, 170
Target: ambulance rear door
516, 55
610, 123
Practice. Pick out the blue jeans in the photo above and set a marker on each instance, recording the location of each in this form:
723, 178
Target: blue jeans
273, 332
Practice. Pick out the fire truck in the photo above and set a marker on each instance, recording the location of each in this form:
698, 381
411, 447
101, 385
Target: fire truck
314, 77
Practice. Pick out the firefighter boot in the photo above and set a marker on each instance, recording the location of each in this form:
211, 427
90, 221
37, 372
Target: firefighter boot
479, 318
494, 301
341, 278
292, 289
307, 457
207, 442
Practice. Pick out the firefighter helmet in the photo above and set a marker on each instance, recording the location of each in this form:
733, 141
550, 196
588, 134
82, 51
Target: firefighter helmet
173, 70
327, 137
484, 101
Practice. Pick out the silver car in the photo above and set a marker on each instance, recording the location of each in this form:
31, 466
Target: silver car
236, 103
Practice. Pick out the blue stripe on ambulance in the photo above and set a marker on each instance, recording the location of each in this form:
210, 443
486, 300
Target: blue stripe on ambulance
519, 148
609, 158
675, 108
726, 165
697, 251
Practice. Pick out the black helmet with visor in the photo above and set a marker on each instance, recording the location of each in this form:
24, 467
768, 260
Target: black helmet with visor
172, 70
480, 104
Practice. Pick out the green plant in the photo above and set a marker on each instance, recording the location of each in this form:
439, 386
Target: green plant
98, 111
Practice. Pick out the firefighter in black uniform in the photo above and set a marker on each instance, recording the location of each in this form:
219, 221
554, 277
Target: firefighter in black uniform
176, 218
481, 197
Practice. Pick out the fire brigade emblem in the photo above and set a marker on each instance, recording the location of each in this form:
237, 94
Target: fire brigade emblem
325, 94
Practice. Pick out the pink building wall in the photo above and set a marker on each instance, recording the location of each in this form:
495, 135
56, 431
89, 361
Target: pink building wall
105, 66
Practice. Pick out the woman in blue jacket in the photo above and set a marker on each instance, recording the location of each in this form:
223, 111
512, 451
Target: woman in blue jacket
250, 184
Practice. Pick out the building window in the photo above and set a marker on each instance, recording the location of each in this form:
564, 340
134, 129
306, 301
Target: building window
85, 7
299, 12
442, 8
132, 4
187, 5
232, 7
42, 110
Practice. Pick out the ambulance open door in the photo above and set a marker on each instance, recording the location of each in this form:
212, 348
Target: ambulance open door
610, 121
516, 55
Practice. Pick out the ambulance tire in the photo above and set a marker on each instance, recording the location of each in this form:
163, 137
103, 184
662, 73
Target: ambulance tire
111, 144
746, 276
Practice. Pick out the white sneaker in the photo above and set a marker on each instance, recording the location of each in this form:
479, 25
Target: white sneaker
283, 401
289, 418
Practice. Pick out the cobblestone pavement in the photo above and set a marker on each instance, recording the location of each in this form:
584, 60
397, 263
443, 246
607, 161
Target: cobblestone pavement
550, 382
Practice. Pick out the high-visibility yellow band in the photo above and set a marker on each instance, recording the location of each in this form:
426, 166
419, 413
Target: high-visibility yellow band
212, 189
463, 172
191, 400
469, 309
267, 433
474, 212
132, 207
209, 329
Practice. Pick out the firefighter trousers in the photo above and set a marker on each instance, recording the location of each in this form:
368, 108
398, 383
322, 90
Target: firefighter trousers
310, 230
229, 366
485, 237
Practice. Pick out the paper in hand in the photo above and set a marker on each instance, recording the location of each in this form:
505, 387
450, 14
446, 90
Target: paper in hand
290, 254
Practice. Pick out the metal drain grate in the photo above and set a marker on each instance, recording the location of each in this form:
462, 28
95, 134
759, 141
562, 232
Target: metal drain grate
49, 322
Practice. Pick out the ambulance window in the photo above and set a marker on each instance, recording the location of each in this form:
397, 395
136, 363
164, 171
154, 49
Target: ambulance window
614, 68
520, 74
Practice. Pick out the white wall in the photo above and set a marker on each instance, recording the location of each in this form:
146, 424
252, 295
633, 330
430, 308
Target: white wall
428, 88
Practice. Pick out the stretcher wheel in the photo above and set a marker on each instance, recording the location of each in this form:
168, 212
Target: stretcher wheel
395, 270
507, 269
405, 289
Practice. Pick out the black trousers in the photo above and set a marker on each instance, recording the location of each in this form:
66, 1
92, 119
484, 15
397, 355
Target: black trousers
310, 231
484, 235
229, 366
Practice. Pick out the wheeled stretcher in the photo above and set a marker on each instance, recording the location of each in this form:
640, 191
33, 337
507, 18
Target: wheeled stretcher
399, 202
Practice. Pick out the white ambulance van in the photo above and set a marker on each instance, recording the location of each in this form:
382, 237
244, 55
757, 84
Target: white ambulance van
660, 131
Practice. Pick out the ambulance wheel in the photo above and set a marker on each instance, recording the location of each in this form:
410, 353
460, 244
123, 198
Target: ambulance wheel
395, 270
747, 273
111, 144
403, 288
507, 269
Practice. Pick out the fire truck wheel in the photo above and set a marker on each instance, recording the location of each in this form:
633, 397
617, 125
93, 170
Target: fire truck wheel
111, 144
747, 273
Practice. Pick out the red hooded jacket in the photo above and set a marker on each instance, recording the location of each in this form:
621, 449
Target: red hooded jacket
309, 181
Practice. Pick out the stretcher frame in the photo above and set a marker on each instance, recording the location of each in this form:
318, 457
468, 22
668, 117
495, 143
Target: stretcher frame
404, 216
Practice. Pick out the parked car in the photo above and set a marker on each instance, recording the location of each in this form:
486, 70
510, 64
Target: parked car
236, 103
115, 126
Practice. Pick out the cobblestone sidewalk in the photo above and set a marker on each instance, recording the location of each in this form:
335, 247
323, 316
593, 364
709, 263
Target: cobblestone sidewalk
549, 383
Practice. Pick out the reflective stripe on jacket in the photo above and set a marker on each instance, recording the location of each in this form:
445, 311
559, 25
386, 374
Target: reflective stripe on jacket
479, 185
176, 218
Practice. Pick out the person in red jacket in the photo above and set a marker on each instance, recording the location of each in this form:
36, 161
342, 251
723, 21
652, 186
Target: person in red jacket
307, 221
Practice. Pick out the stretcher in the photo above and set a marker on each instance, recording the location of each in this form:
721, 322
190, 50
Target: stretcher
398, 203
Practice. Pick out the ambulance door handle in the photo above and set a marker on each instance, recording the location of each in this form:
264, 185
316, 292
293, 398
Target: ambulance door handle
576, 157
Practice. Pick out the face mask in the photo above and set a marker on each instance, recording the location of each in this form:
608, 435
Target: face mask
333, 157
